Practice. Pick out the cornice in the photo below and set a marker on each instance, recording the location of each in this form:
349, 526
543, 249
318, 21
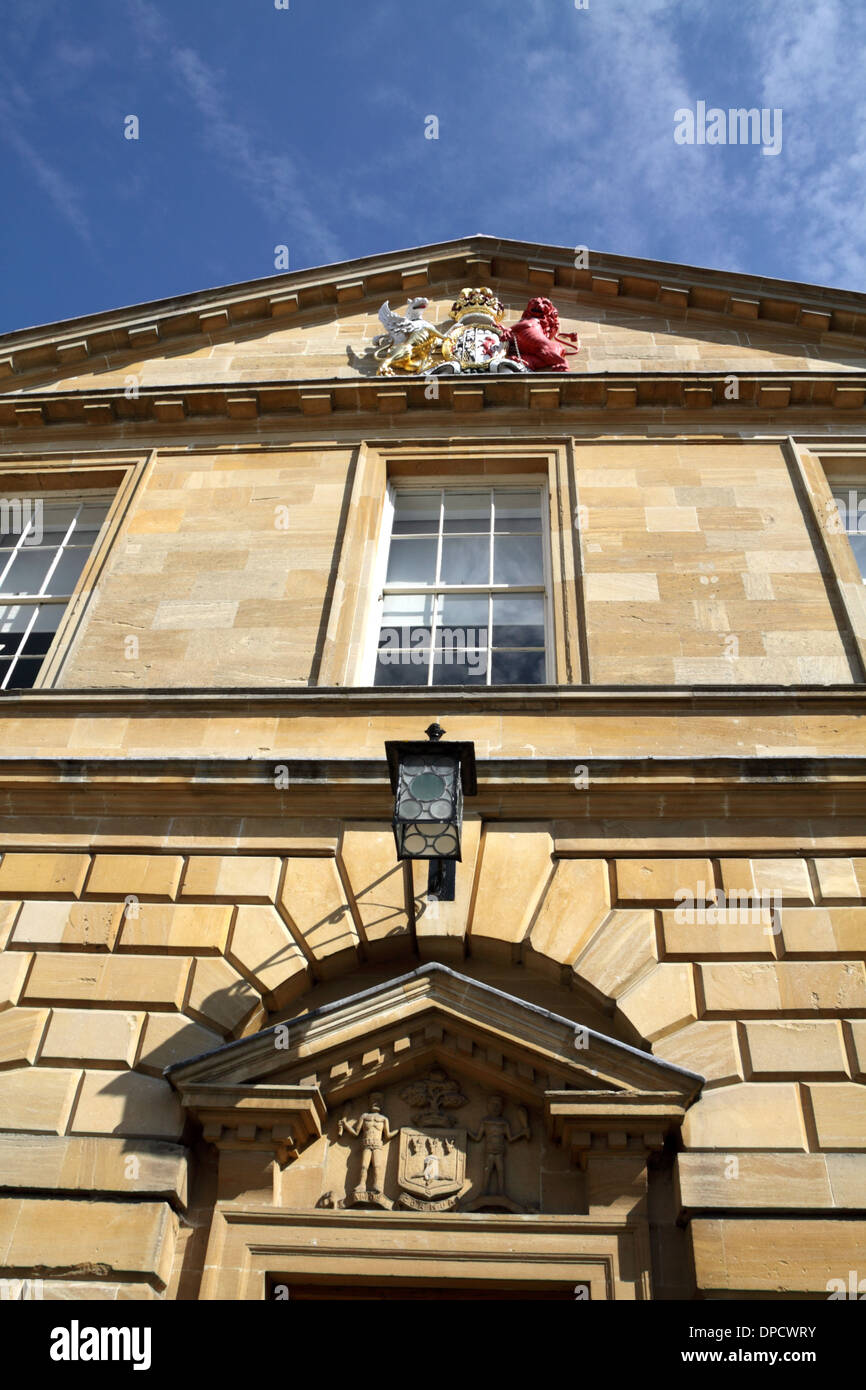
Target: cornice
683, 292
334, 789
678, 396
362, 700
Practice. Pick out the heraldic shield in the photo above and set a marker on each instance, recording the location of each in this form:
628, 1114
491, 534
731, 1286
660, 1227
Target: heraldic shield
431, 1168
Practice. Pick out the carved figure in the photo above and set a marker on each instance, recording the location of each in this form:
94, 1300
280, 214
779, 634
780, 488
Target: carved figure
496, 1133
537, 341
375, 1133
409, 343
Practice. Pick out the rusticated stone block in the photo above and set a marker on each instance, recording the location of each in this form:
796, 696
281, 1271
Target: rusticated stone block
377, 883
840, 1114
841, 878
90, 925
756, 987
129, 1237
219, 994
145, 876
740, 932
263, 948
242, 878
13, 972
621, 950
772, 1181
775, 1256
756, 1115
518, 856
199, 930
710, 1049
857, 1030
786, 878
125, 1102
663, 880
51, 875
8, 913
37, 1098
71, 1164
157, 982
20, 1035
824, 930
440, 926
577, 898
661, 1002
96, 1291
795, 1047
92, 1035
313, 900
172, 1038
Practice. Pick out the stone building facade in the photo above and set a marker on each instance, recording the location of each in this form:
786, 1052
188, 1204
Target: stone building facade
244, 1053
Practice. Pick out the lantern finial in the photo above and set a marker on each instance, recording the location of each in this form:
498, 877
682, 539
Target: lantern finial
434, 732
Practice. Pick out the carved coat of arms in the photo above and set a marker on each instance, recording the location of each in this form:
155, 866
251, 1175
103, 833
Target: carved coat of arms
431, 1168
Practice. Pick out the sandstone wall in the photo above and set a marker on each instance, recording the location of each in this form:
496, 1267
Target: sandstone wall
116, 964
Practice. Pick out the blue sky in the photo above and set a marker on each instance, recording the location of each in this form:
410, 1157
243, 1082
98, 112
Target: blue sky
306, 128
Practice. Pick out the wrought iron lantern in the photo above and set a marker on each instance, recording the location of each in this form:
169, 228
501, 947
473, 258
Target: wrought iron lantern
429, 781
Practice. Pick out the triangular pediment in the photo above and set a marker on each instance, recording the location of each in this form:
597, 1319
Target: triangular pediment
433, 1017
318, 324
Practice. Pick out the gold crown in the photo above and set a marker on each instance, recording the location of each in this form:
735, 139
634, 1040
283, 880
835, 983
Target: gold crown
477, 301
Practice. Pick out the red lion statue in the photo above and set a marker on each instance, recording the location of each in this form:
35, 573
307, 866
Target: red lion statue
535, 338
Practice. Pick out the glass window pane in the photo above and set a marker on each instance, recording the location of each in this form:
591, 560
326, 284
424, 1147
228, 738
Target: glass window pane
465, 561
463, 610
27, 572
462, 621
517, 668
411, 608
467, 511
37, 643
858, 545
416, 514
56, 519
402, 668
15, 618
517, 511
457, 667
66, 572
83, 537
851, 502
517, 560
48, 617
24, 674
412, 562
91, 516
518, 621
5, 666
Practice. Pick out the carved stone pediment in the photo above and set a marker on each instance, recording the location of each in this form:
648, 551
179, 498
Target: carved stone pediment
454, 1073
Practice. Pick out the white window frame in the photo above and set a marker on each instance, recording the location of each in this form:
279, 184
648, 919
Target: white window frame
530, 482
69, 496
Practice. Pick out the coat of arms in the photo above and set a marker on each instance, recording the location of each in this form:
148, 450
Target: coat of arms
431, 1168
476, 343
432, 1160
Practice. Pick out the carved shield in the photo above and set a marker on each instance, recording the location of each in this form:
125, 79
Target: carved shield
476, 347
432, 1162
